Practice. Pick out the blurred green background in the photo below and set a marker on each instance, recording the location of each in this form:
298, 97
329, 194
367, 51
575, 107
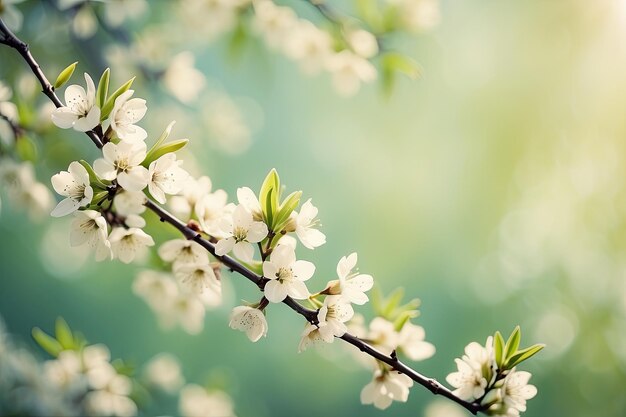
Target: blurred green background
492, 188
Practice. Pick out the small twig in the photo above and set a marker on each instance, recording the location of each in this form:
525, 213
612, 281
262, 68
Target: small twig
15, 127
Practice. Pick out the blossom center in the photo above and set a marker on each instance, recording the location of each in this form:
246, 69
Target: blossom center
79, 106
122, 165
240, 234
284, 274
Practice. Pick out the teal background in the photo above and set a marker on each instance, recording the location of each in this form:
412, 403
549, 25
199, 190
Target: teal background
520, 109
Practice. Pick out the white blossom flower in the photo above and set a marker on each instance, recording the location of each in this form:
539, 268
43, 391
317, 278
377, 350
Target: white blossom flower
418, 15
129, 202
211, 209
96, 365
23, 189
66, 371
193, 190
163, 372
286, 275
126, 112
356, 326
476, 370
363, 43
249, 320
127, 244
112, 398
210, 18
187, 310
512, 395
306, 224
116, 12
310, 336
310, 46
90, 227
332, 317
516, 391
166, 177
411, 342
196, 401
197, 277
352, 286
85, 23
11, 15
183, 251
386, 386
156, 288
80, 110
383, 335
241, 231
273, 22
74, 185
182, 79
122, 162
349, 70
226, 125
250, 201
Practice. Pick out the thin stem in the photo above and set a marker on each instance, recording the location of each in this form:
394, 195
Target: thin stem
15, 127
9, 39
191, 234
326, 12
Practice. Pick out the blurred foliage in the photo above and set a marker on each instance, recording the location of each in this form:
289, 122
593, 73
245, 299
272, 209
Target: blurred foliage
492, 188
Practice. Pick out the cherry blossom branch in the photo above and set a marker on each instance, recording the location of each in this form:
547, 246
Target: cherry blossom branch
12, 41
311, 315
189, 233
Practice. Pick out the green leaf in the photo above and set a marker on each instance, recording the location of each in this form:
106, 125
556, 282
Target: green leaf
64, 334
392, 302
166, 134
269, 209
110, 102
403, 317
47, 342
65, 75
97, 198
169, 147
269, 197
103, 88
524, 354
393, 63
286, 208
498, 342
237, 41
512, 344
26, 148
94, 180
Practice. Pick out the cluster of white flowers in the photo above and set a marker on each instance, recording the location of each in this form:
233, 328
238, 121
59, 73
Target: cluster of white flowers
119, 176
196, 401
24, 387
501, 393
18, 178
260, 231
76, 383
211, 18
22, 188
91, 376
314, 48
